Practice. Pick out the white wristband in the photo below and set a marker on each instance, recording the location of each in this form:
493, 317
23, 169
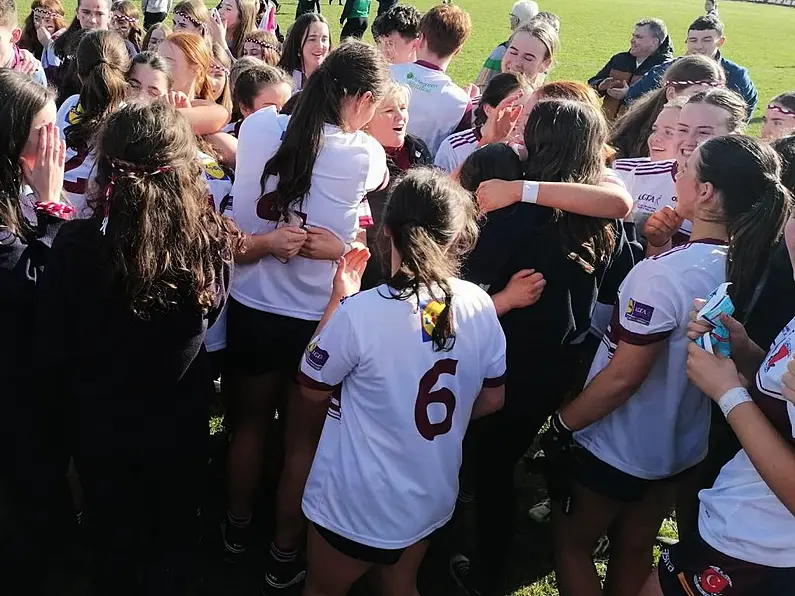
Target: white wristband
530, 191
733, 398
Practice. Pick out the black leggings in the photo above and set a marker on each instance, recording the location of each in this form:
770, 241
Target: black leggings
354, 28
152, 18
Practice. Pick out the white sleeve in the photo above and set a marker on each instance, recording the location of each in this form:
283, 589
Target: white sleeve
495, 355
331, 355
377, 172
445, 158
648, 306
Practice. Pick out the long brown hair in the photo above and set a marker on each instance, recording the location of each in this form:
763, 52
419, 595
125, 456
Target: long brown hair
198, 54
29, 40
102, 62
432, 222
631, 131
270, 44
247, 11
129, 10
20, 100
566, 142
164, 244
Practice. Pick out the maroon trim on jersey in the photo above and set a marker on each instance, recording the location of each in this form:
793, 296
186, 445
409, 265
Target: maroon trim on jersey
674, 170
653, 171
428, 65
78, 187
639, 339
310, 383
496, 381
717, 241
466, 138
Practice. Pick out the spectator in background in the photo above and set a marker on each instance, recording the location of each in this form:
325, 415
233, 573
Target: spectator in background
10, 54
521, 14
305, 6
354, 18
396, 32
384, 6
155, 11
438, 107
779, 119
705, 36
649, 47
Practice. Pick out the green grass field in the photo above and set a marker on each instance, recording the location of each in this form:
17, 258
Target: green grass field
592, 30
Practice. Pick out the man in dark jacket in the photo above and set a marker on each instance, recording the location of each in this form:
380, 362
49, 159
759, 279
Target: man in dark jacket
650, 46
705, 36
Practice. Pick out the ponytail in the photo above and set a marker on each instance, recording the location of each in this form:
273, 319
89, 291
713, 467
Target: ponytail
350, 71
102, 62
755, 206
432, 222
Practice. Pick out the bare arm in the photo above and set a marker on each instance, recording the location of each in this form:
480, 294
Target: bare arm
205, 117
490, 400
613, 386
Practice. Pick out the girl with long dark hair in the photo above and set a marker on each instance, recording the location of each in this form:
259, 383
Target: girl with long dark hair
33, 455
290, 189
142, 278
746, 524
640, 426
125, 19
566, 142
422, 327
233, 21
306, 46
101, 62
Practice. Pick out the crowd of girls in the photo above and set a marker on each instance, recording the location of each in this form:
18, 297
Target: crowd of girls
393, 303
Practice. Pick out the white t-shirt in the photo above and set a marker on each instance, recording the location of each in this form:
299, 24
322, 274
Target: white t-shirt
386, 469
652, 185
219, 184
740, 516
79, 169
456, 148
437, 106
662, 429
348, 166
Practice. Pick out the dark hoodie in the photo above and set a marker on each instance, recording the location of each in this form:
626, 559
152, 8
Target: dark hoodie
624, 67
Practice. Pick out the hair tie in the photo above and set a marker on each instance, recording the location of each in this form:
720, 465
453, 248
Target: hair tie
123, 170
781, 109
185, 15
691, 83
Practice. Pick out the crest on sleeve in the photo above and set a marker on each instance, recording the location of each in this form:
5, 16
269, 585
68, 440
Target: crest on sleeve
429, 313
73, 116
637, 312
316, 357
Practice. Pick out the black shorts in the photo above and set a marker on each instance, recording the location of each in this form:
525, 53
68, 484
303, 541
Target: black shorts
360, 552
602, 478
694, 568
260, 342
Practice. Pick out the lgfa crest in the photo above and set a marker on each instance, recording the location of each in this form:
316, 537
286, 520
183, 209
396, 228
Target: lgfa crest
429, 313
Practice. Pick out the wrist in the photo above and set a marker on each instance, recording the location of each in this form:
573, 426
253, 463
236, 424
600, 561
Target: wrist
733, 398
530, 192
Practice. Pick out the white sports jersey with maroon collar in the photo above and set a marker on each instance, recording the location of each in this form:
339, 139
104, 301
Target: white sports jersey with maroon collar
386, 469
348, 166
437, 106
740, 516
663, 428
79, 169
652, 185
456, 148
219, 184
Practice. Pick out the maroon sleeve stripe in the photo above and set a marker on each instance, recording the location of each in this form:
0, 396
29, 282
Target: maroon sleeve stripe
638, 339
495, 382
309, 382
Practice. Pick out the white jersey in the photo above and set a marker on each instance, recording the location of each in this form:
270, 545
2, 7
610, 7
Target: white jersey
299, 80
219, 185
348, 166
456, 148
740, 516
437, 106
662, 429
386, 469
79, 169
652, 185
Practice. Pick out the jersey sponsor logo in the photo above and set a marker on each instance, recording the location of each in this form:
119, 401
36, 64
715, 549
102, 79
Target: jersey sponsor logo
712, 581
213, 170
640, 313
782, 353
429, 313
316, 357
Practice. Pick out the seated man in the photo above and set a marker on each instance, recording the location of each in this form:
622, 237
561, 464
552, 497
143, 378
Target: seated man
705, 36
396, 32
438, 107
650, 46
521, 14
